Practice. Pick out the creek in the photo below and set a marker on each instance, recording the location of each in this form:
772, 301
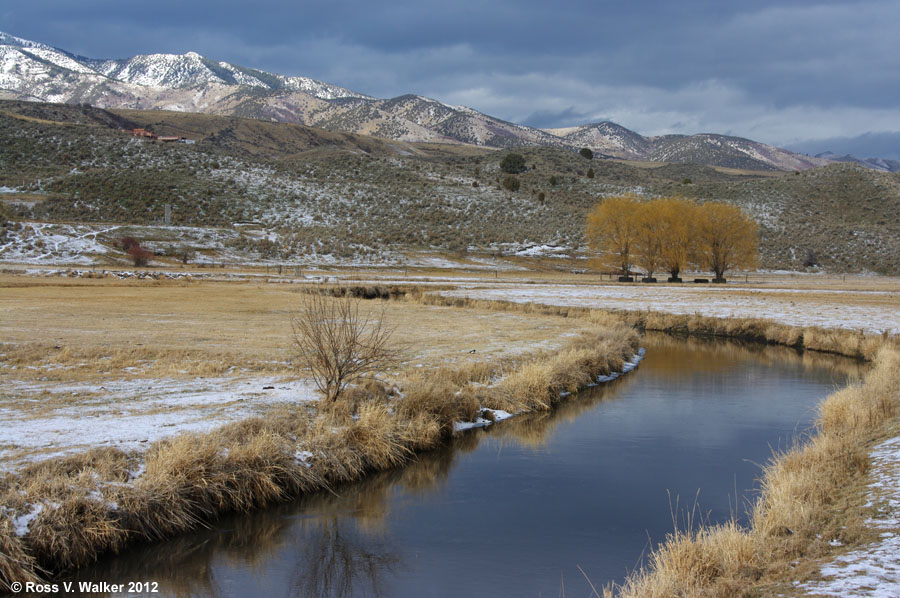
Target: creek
534, 506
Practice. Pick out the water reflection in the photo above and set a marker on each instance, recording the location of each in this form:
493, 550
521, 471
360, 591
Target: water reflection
684, 356
336, 541
336, 561
535, 429
512, 509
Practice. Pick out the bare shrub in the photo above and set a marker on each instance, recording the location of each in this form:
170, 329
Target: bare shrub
127, 243
337, 345
139, 255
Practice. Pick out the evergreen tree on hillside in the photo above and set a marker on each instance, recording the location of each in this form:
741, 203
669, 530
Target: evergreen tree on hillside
513, 163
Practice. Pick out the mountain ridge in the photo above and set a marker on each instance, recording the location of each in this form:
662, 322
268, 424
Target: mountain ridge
190, 82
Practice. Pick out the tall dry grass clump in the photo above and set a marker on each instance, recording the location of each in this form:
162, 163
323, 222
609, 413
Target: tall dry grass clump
806, 500
15, 563
708, 561
441, 398
538, 385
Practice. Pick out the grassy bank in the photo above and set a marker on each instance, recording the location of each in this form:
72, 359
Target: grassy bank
850, 343
64, 512
811, 501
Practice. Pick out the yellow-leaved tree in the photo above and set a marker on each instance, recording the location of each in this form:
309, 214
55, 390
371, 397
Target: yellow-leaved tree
612, 230
650, 229
678, 217
727, 238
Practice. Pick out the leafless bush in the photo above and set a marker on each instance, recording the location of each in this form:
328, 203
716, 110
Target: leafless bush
139, 255
337, 345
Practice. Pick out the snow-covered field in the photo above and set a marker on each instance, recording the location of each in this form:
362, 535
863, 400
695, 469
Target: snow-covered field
128, 414
52, 244
55, 244
871, 311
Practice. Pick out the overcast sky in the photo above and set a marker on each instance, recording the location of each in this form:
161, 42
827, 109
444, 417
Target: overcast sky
812, 76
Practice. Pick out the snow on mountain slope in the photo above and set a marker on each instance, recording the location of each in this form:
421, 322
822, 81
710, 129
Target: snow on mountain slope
27, 65
190, 82
607, 138
164, 70
11, 40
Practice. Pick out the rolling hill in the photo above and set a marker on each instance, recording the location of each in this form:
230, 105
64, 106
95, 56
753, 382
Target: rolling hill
312, 195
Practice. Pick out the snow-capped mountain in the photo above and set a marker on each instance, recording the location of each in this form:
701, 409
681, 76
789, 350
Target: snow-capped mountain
191, 70
31, 70
193, 83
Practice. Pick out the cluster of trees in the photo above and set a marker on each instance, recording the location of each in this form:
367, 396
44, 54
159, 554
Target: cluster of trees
672, 233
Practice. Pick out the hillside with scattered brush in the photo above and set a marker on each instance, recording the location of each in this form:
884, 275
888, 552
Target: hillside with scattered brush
284, 192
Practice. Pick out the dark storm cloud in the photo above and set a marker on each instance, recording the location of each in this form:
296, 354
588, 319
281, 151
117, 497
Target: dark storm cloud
781, 72
549, 118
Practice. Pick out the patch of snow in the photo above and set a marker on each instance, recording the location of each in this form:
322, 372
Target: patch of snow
130, 414
303, 458
21, 523
873, 570
137, 472
545, 251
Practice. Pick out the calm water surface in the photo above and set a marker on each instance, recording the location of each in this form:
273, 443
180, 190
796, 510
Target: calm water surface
517, 509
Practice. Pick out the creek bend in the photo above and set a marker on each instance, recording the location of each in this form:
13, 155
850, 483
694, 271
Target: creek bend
516, 509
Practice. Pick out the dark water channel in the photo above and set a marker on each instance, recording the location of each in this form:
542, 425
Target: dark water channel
517, 509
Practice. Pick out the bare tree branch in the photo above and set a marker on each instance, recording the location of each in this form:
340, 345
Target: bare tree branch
337, 346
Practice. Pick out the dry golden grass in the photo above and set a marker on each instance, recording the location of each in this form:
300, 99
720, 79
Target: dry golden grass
810, 495
92, 503
189, 479
97, 329
55, 332
537, 385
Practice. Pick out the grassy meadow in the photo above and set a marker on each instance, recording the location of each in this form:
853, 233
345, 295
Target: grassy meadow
206, 410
